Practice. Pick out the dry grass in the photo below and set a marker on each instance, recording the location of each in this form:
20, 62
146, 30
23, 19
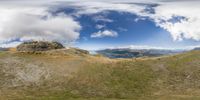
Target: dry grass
83, 77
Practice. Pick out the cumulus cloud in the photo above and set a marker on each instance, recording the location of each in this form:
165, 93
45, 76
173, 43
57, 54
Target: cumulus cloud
100, 26
105, 33
22, 22
36, 23
93, 7
162, 14
187, 14
102, 18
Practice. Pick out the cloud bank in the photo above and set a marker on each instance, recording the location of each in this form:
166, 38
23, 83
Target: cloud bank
35, 23
181, 19
105, 33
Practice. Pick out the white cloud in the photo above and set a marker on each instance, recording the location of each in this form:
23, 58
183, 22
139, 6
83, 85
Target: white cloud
100, 26
102, 18
35, 23
187, 28
10, 44
19, 20
105, 33
93, 7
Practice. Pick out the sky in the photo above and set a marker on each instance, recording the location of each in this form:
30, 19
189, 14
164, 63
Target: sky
99, 24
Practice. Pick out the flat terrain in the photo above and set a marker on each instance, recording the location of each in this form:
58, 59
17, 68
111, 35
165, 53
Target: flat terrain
82, 77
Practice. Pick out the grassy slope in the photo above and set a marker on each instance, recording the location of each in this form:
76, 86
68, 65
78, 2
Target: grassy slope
48, 77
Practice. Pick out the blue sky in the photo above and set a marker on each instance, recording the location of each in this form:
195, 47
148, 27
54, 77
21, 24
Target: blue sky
131, 29
98, 24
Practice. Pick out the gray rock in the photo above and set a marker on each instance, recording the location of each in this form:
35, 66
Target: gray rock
34, 46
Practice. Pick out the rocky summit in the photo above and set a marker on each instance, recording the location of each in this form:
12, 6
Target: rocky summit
39, 46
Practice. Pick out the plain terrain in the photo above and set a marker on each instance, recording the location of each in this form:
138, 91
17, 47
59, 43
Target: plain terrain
82, 77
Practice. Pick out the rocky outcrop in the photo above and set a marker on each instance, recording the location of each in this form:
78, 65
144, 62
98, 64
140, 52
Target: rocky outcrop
35, 46
49, 48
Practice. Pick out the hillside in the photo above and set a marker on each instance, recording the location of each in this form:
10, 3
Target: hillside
45, 76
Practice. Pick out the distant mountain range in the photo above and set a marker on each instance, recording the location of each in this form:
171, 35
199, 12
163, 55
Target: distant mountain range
3, 49
197, 48
131, 53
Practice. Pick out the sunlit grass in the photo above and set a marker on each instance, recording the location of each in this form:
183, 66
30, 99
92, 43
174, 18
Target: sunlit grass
174, 77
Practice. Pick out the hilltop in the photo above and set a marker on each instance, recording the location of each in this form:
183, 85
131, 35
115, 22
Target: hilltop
25, 76
34, 46
46, 48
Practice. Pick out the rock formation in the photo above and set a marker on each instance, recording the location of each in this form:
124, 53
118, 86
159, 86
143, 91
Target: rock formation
34, 46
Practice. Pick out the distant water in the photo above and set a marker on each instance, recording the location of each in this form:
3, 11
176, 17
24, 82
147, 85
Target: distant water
92, 52
133, 53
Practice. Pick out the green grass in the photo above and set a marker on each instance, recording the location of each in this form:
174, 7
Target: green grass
3, 53
105, 80
175, 77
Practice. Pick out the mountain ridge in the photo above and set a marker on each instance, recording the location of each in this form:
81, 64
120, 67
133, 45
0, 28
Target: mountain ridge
130, 53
